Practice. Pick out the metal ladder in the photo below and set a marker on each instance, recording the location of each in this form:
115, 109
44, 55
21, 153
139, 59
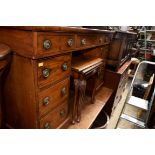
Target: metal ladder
134, 105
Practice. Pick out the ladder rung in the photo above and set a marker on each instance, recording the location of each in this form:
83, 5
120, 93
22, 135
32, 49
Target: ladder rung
133, 120
138, 102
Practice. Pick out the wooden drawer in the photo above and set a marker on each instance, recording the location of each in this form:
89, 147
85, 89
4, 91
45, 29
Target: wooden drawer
53, 96
54, 118
87, 40
103, 39
53, 69
51, 44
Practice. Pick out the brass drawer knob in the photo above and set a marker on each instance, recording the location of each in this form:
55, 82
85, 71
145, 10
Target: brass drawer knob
47, 44
46, 72
46, 101
83, 41
70, 42
64, 67
63, 91
47, 126
62, 112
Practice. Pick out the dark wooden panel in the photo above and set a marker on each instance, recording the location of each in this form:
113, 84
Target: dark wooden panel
19, 94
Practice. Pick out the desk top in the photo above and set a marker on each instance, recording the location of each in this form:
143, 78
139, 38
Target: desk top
58, 29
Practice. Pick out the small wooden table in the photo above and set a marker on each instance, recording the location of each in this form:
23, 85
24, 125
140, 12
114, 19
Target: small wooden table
83, 68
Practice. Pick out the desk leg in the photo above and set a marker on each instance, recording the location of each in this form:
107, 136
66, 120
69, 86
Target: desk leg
79, 95
95, 77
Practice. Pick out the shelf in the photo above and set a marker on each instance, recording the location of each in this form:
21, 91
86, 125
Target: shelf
146, 40
141, 49
153, 31
91, 111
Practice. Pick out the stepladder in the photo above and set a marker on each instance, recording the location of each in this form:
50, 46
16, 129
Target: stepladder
140, 99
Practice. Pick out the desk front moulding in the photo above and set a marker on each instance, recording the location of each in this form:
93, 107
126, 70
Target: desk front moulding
37, 86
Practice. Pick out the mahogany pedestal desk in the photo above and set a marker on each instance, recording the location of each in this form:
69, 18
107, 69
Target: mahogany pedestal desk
36, 90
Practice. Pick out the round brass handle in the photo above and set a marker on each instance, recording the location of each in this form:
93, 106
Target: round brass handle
46, 101
47, 44
64, 67
47, 126
46, 72
70, 42
63, 91
83, 41
62, 112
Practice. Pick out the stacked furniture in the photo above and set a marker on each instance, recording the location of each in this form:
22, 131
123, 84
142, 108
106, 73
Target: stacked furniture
120, 49
118, 64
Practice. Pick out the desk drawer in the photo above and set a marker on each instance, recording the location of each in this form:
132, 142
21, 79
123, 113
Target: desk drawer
53, 96
54, 69
54, 118
49, 44
103, 39
87, 40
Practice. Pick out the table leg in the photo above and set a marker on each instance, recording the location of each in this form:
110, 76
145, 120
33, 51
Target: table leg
76, 87
94, 88
82, 89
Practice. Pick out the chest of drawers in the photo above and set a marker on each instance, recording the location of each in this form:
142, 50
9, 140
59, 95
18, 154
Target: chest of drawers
36, 91
118, 82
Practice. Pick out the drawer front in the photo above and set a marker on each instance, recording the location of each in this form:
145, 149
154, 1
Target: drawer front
54, 118
87, 40
54, 44
53, 96
103, 39
53, 69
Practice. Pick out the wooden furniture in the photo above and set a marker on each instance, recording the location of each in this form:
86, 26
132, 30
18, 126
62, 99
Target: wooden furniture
4, 60
36, 90
91, 111
82, 69
116, 81
120, 49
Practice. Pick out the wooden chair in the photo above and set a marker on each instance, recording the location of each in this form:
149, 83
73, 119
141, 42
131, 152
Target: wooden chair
4, 60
